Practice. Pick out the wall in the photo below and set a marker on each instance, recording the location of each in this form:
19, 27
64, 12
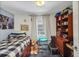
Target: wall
19, 19
75, 28
4, 33
6, 13
78, 18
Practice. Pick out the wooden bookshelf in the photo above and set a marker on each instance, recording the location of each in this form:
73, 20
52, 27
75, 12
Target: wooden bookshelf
64, 31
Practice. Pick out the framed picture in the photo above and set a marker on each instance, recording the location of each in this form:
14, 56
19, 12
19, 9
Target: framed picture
24, 27
6, 22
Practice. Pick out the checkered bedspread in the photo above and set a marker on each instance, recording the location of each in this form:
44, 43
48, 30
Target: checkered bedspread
14, 48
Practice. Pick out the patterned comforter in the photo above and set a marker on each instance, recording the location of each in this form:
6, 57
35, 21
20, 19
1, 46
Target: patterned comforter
14, 47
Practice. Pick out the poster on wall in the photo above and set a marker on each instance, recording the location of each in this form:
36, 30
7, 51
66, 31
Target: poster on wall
24, 27
6, 22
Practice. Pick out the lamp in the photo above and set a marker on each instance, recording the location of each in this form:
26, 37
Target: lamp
39, 2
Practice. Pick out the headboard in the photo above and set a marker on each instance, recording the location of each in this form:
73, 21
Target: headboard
16, 34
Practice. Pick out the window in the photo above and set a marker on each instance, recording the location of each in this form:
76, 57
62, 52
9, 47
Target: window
40, 27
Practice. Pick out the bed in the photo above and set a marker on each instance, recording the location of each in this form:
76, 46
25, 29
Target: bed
14, 46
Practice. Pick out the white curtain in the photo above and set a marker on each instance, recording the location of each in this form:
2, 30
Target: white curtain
33, 28
46, 20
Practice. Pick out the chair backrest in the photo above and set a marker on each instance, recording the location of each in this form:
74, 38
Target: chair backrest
52, 43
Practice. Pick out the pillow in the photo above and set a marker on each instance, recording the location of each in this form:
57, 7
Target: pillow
15, 35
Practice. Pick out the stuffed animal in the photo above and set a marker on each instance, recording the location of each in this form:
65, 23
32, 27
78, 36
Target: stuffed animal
34, 47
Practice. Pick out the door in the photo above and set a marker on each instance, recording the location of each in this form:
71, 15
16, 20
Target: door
75, 29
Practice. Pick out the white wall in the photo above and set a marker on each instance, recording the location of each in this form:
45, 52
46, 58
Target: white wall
6, 13
78, 18
6, 32
19, 19
75, 28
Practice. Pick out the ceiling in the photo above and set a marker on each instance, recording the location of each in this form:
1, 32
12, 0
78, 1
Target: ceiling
31, 8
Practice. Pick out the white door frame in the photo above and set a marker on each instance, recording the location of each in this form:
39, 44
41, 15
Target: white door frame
75, 29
